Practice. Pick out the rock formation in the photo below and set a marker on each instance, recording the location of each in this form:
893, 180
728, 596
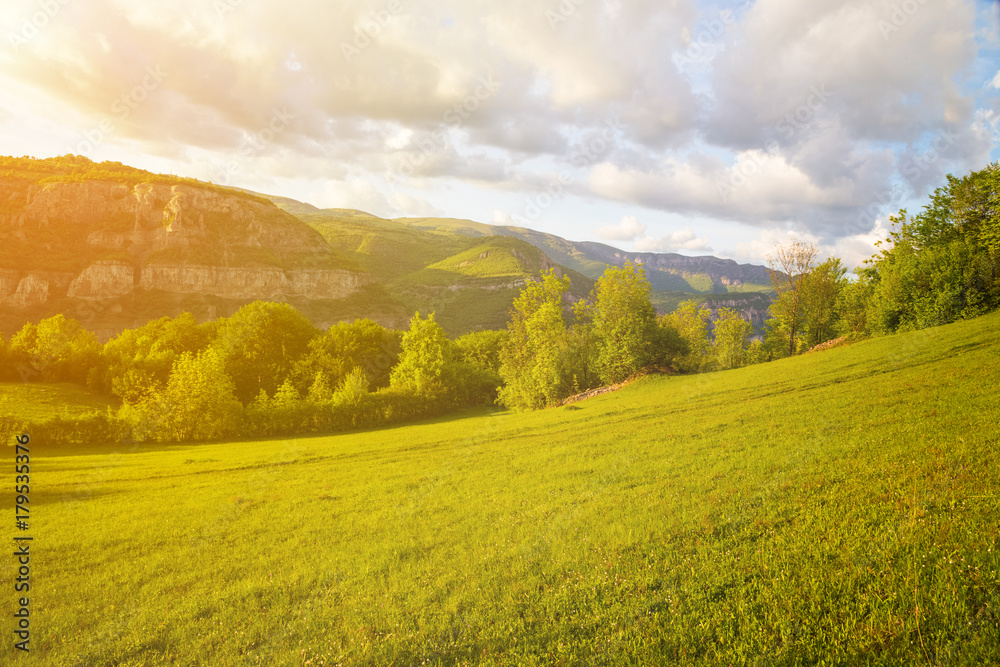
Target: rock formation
63, 243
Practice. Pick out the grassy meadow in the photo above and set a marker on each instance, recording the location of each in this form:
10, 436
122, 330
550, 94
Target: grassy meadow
36, 401
835, 508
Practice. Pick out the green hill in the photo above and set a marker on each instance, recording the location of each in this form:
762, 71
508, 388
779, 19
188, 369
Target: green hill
838, 507
468, 280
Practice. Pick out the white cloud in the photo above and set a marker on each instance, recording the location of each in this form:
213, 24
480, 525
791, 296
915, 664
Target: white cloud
683, 239
502, 219
627, 230
996, 80
631, 230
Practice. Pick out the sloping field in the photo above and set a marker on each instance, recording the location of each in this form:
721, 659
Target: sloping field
37, 401
840, 506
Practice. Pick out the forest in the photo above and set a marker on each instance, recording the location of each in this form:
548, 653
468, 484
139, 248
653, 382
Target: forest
266, 370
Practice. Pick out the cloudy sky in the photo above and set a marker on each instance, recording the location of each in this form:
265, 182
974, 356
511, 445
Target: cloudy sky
656, 125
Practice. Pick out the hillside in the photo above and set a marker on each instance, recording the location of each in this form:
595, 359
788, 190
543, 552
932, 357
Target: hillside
666, 271
837, 507
470, 282
114, 246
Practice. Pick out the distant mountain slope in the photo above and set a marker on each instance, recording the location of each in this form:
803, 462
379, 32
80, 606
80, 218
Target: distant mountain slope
666, 271
115, 246
469, 281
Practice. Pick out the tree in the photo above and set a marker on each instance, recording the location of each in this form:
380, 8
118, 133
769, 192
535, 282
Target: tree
426, 352
975, 207
260, 345
346, 346
821, 290
787, 267
137, 362
623, 321
732, 338
198, 402
941, 264
533, 360
691, 322
482, 348
56, 349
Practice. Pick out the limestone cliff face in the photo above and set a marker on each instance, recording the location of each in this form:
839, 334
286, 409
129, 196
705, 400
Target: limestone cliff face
251, 283
66, 242
103, 280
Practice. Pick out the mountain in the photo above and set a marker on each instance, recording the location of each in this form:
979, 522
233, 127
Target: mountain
716, 282
114, 247
469, 282
666, 271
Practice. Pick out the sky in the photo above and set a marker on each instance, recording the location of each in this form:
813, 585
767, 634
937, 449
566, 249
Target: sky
651, 125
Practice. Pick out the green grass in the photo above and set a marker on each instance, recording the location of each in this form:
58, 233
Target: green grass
37, 402
799, 512
501, 256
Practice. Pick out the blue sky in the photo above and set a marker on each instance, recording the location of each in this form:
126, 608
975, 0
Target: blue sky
673, 126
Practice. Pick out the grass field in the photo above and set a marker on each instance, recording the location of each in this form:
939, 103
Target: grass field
37, 402
836, 508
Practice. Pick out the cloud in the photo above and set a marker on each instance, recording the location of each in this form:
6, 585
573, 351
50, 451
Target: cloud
502, 219
996, 80
683, 239
631, 230
627, 230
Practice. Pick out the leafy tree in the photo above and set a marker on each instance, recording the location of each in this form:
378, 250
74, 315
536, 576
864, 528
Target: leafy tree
260, 345
756, 354
852, 304
482, 348
821, 290
975, 207
787, 267
320, 390
532, 361
691, 321
56, 349
624, 322
426, 352
732, 338
942, 264
138, 361
775, 342
346, 346
198, 402
286, 394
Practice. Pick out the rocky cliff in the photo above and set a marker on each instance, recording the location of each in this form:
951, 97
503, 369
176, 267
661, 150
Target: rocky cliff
66, 243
